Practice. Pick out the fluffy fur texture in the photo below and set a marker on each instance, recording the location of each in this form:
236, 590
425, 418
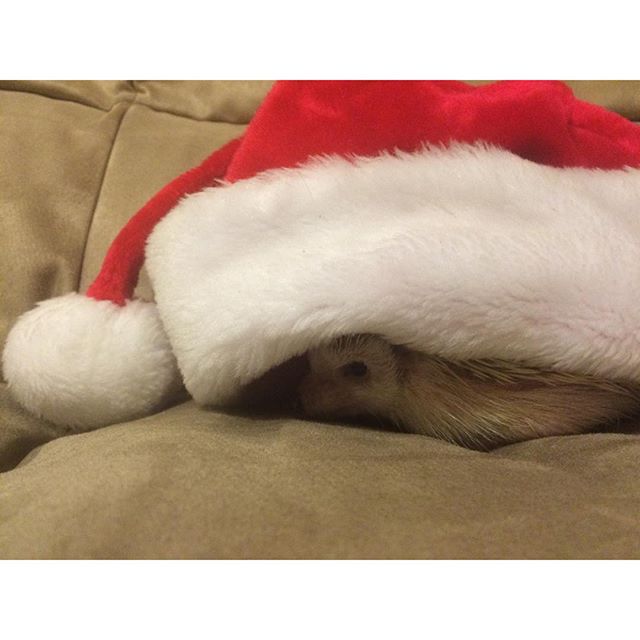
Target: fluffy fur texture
477, 403
468, 253
85, 363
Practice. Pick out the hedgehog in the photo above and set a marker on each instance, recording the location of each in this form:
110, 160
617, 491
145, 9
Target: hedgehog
479, 404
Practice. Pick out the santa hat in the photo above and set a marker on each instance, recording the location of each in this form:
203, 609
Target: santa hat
500, 221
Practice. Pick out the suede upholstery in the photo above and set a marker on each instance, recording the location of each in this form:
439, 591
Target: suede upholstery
76, 160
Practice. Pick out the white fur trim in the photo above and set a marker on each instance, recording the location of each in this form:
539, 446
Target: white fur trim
83, 363
469, 252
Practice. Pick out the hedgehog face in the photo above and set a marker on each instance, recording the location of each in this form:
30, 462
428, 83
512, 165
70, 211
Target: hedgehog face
353, 375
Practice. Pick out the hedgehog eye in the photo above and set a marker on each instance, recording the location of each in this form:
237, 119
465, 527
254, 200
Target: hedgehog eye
356, 369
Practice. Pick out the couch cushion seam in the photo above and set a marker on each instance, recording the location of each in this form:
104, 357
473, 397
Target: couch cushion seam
192, 118
132, 98
100, 188
132, 94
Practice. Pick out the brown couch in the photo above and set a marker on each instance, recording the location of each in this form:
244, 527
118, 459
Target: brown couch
76, 160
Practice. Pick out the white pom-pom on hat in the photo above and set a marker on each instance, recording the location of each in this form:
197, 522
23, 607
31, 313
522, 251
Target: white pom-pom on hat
86, 363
